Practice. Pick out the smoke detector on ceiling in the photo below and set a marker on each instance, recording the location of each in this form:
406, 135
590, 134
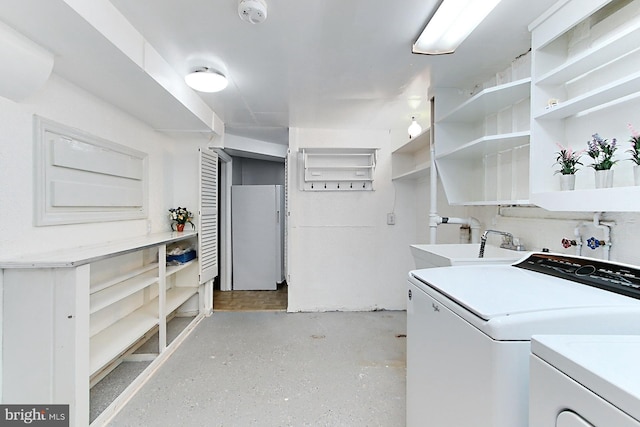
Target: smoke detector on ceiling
253, 11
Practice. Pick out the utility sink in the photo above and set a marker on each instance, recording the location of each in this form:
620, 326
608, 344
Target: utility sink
444, 255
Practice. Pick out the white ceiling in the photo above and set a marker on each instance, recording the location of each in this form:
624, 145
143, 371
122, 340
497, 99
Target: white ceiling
320, 64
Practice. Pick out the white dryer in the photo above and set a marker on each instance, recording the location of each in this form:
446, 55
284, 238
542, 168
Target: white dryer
585, 381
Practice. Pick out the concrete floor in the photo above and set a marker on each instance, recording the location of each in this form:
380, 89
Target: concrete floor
280, 369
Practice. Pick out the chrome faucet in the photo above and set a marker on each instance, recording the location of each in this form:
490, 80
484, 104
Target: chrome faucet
507, 242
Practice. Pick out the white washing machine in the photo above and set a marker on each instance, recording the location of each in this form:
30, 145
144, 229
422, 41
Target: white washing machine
585, 381
469, 330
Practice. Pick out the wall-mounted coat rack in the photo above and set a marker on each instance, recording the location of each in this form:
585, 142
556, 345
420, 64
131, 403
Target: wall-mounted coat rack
337, 169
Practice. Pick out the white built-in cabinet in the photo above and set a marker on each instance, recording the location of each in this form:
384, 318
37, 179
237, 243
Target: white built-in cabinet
585, 56
482, 139
70, 317
412, 160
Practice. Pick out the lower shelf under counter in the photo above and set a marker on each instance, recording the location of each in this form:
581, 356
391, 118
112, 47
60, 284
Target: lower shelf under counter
109, 343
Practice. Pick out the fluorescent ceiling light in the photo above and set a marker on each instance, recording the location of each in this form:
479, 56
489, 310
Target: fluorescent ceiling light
451, 24
414, 128
206, 80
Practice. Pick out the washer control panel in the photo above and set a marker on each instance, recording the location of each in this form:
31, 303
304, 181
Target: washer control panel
607, 275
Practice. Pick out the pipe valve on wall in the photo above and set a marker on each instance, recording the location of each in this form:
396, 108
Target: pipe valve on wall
594, 243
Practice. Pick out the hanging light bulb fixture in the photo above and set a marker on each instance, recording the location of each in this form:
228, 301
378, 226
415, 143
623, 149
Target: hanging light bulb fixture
205, 79
414, 128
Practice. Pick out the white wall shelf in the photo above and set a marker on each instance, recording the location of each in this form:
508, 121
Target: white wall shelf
589, 64
124, 285
420, 171
612, 93
112, 294
490, 101
617, 199
337, 169
482, 143
114, 340
86, 325
602, 52
96, 287
412, 160
488, 145
178, 296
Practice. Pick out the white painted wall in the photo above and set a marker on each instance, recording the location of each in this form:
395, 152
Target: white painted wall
65, 103
343, 256
342, 253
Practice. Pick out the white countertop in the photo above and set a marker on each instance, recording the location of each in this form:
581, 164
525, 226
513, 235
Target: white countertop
86, 254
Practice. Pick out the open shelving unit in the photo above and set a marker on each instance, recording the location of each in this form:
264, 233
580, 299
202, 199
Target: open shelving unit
90, 308
482, 143
489, 101
412, 160
107, 344
585, 56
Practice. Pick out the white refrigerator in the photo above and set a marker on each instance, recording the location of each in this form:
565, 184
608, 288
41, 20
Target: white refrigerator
257, 235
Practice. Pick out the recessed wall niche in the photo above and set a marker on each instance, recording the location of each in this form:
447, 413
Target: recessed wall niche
82, 178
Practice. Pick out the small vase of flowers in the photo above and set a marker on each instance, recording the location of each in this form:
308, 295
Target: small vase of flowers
180, 216
635, 153
601, 151
568, 160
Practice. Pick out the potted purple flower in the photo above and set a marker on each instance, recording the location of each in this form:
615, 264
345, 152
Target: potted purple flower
601, 151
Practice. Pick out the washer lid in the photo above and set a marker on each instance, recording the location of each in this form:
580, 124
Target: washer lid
491, 291
605, 364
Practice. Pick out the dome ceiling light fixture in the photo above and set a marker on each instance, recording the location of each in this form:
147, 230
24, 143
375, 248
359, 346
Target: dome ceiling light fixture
414, 128
252, 11
205, 79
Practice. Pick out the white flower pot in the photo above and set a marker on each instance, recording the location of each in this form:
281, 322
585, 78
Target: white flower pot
567, 182
636, 174
604, 178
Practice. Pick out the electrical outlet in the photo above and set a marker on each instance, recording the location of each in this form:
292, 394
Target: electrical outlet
391, 218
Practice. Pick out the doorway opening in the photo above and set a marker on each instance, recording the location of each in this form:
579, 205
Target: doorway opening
237, 170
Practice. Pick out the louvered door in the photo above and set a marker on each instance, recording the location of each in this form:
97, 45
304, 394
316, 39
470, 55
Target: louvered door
208, 229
